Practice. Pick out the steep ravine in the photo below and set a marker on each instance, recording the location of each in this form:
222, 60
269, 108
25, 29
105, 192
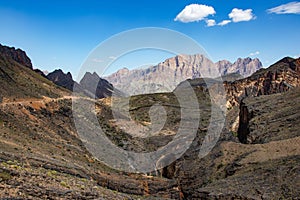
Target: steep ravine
265, 106
244, 117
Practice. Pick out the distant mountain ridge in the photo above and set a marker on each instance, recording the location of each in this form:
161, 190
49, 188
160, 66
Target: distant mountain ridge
91, 84
60, 78
167, 75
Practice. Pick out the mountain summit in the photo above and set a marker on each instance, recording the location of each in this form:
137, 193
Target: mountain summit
17, 55
97, 86
60, 78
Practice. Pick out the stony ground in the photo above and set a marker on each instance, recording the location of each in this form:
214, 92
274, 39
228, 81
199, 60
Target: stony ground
22, 180
257, 155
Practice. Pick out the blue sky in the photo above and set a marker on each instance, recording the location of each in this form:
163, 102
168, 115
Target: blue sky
61, 34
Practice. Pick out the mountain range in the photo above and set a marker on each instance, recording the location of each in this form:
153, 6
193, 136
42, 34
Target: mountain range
167, 75
257, 155
163, 77
90, 85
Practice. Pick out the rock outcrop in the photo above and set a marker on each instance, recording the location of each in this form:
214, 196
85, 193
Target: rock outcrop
17, 55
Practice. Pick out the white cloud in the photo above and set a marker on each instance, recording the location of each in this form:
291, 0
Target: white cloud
210, 22
254, 53
239, 15
224, 22
194, 12
289, 8
297, 56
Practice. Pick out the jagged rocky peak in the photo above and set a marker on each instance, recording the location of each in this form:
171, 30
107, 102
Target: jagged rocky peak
17, 55
18, 80
91, 80
223, 63
183, 59
245, 66
89, 77
59, 74
92, 83
60, 78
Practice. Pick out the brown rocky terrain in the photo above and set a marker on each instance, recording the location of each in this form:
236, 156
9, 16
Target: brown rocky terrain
41, 154
256, 157
41, 147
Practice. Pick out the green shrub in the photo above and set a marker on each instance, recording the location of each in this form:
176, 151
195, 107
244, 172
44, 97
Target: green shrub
64, 184
4, 176
235, 134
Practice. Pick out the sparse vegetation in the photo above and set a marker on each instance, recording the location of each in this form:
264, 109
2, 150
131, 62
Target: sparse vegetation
41, 155
4, 176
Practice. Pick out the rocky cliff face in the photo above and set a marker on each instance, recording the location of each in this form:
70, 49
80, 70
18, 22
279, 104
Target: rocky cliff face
279, 77
261, 123
17, 55
168, 74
